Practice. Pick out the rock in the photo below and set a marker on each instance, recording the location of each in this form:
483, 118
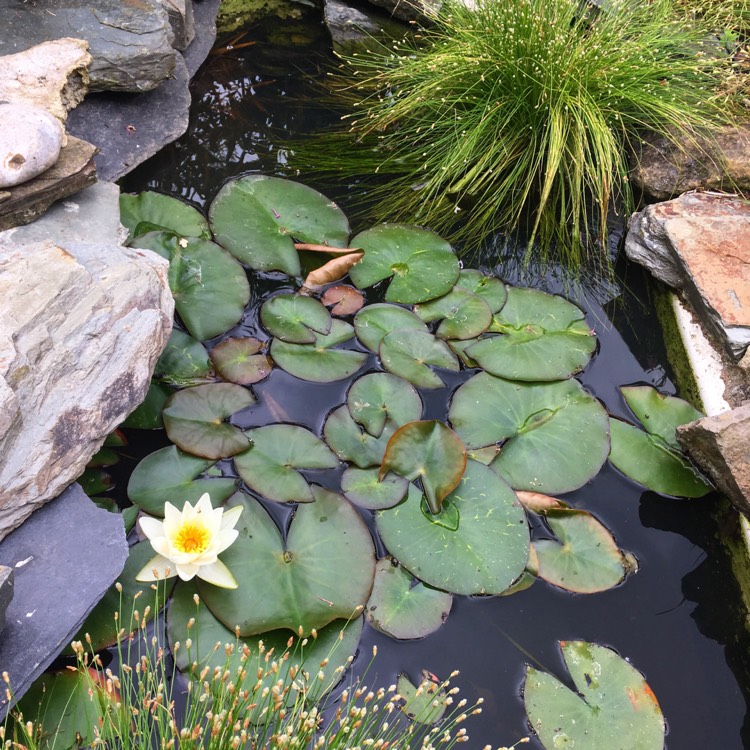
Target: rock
352, 29
30, 142
73, 171
700, 243
52, 75
204, 16
129, 42
81, 328
6, 593
720, 446
419, 11
235, 15
180, 14
64, 558
663, 170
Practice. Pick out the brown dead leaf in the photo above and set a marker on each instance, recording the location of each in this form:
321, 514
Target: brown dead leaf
539, 503
313, 248
334, 270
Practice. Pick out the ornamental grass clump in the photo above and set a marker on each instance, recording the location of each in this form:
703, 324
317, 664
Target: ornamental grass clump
520, 115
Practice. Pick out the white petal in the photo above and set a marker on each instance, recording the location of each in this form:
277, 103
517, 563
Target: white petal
188, 513
158, 568
204, 504
151, 527
162, 546
230, 517
218, 574
187, 571
223, 540
172, 519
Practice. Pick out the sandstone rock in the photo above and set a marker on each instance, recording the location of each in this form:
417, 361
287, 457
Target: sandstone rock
30, 142
81, 328
720, 446
180, 14
700, 243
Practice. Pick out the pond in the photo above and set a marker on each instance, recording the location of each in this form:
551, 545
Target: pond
675, 619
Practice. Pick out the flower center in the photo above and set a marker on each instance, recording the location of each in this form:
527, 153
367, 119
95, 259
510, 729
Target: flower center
191, 537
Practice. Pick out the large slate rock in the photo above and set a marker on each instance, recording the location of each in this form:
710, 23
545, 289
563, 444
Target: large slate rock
64, 558
181, 19
353, 28
6, 593
204, 18
130, 42
700, 243
81, 328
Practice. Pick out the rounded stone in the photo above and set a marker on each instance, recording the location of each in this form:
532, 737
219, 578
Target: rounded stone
30, 142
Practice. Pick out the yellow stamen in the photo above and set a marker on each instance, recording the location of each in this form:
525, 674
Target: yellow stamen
191, 537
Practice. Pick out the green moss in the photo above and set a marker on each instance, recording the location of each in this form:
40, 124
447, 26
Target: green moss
238, 14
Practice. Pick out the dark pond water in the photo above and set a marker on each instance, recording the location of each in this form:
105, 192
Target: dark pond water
674, 619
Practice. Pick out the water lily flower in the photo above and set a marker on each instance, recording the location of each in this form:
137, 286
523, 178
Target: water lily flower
188, 543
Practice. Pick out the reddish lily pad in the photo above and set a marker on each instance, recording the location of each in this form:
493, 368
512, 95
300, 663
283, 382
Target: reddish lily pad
240, 361
343, 300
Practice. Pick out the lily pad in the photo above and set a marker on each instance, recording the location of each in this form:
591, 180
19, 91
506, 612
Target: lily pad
324, 571
540, 337
373, 322
257, 219
483, 555
295, 318
147, 416
556, 436
420, 701
183, 362
650, 461
489, 288
410, 355
320, 362
377, 397
352, 443
430, 451
194, 418
464, 315
422, 265
365, 489
240, 361
586, 559
613, 706
169, 475
277, 451
149, 211
343, 300
404, 608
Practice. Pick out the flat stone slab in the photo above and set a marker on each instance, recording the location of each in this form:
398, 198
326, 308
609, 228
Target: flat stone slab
64, 558
204, 19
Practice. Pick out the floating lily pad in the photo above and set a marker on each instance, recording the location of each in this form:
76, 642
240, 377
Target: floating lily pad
257, 219
556, 435
239, 360
95, 481
422, 265
373, 322
650, 461
377, 397
402, 608
410, 355
352, 443
540, 337
586, 559
102, 458
343, 300
613, 706
295, 318
363, 488
464, 315
420, 701
183, 362
324, 571
430, 451
277, 451
147, 416
149, 211
483, 555
489, 288
194, 418
320, 362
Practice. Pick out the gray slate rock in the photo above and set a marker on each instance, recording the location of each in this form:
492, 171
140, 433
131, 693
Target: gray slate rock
204, 17
130, 42
6, 593
352, 28
64, 558
181, 19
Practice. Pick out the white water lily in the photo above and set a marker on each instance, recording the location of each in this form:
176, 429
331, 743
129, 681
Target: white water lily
188, 543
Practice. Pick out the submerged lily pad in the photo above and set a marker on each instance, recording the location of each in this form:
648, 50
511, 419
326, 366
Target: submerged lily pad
324, 571
149, 211
422, 264
352, 443
295, 318
239, 360
613, 706
425, 703
489, 288
257, 218
183, 362
464, 315
373, 322
411, 354
364, 488
377, 397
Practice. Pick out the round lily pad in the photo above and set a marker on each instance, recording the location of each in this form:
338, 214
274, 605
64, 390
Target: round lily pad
402, 610
353, 443
410, 355
373, 322
484, 554
324, 571
147, 416
240, 361
377, 397
365, 489
555, 435
489, 288
343, 300
183, 362
149, 211
277, 451
257, 218
464, 315
422, 264
194, 418
295, 318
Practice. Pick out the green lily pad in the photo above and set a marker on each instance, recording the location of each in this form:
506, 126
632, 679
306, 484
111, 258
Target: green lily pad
586, 559
650, 461
540, 337
556, 436
464, 315
295, 318
612, 707
102, 458
239, 360
194, 418
402, 610
169, 475
373, 322
420, 701
364, 489
659, 414
149, 211
375, 398
324, 571
430, 451
484, 555
320, 362
147, 416
183, 362
409, 354
489, 288
352, 443
422, 265
257, 219
460, 349
95, 481
270, 465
